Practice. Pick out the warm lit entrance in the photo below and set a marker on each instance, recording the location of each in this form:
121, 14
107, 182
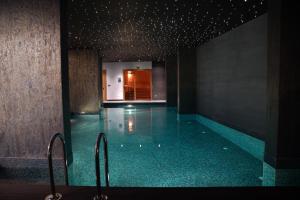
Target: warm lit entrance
138, 84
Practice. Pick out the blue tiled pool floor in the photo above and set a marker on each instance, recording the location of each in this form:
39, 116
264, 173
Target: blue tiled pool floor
150, 147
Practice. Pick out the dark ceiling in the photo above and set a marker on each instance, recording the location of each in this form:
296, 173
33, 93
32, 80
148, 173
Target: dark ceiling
130, 30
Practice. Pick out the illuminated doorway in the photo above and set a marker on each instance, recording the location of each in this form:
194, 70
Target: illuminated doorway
137, 84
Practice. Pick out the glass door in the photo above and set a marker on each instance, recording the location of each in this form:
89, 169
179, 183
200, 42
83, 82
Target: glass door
138, 84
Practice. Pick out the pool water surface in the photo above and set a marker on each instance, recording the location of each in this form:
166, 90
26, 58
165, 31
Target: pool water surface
153, 147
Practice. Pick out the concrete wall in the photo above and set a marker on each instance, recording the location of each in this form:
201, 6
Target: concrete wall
114, 73
84, 81
159, 91
282, 141
30, 79
232, 78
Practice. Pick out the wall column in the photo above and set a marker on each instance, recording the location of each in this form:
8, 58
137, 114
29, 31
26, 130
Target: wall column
186, 89
171, 71
31, 81
282, 154
65, 79
85, 69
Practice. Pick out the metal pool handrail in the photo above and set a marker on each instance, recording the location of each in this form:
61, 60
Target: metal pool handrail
54, 195
99, 195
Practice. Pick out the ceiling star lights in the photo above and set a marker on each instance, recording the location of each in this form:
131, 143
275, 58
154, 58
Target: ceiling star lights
131, 30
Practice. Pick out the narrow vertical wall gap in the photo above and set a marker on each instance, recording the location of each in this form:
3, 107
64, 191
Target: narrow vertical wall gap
65, 79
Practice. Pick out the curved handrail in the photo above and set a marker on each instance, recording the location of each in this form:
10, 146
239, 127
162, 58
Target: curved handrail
55, 195
101, 137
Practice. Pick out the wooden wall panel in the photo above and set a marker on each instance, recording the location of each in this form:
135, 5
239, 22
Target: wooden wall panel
30, 77
84, 81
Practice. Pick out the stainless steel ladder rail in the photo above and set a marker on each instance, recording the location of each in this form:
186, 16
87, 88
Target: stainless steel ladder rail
100, 195
54, 195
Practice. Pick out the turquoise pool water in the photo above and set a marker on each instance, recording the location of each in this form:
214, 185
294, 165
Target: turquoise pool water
153, 147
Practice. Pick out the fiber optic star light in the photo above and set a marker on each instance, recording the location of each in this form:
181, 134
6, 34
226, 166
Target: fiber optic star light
131, 30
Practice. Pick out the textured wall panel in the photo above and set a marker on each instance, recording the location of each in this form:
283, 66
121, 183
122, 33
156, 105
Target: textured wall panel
30, 77
232, 78
84, 81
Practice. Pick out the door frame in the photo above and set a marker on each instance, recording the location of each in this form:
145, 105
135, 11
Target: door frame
104, 85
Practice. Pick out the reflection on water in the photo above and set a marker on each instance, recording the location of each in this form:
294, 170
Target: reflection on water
130, 125
128, 120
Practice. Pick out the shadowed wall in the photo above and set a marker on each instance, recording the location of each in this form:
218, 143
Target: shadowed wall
84, 81
282, 141
30, 78
232, 78
186, 73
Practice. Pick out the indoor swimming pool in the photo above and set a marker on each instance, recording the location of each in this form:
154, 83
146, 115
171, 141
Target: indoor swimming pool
155, 147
